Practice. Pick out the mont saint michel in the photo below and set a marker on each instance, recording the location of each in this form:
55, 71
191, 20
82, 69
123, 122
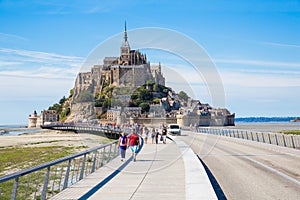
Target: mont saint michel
129, 89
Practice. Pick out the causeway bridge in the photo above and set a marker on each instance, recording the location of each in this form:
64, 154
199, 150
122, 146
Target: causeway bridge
203, 164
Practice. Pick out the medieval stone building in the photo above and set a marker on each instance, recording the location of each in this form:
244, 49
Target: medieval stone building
127, 72
46, 117
130, 69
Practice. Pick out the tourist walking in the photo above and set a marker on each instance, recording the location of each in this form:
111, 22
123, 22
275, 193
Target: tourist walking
122, 143
153, 134
134, 143
146, 131
137, 128
156, 136
164, 134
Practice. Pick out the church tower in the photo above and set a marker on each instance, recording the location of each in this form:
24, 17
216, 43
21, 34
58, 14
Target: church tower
125, 48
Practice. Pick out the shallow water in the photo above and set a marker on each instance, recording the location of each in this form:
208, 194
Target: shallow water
267, 127
17, 130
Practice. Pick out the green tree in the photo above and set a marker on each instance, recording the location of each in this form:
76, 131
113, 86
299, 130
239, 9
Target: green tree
155, 87
134, 96
98, 103
62, 100
149, 82
107, 103
156, 101
56, 107
71, 93
165, 91
182, 95
145, 107
145, 94
66, 112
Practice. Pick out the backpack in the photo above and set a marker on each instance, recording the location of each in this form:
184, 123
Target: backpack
123, 140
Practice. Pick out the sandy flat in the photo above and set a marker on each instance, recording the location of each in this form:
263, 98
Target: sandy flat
52, 138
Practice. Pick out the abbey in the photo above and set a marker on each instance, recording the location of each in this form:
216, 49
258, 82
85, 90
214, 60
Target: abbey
130, 69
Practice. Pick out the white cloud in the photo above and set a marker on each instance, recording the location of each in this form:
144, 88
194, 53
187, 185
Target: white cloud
282, 45
244, 79
41, 56
10, 37
32, 64
7, 63
43, 72
33, 88
257, 63
236, 82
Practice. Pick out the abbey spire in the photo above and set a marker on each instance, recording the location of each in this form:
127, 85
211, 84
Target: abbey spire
125, 33
125, 45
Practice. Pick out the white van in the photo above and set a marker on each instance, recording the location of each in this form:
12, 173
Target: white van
174, 129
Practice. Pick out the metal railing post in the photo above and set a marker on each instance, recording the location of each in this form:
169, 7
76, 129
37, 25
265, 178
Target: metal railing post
263, 138
103, 157
115, 150
67, 175
109, 153
44, 192
26, 191
15, 189
82, 167
60, 177
284, 143
94, 162
276, 139
52, 192
72, 177
77, 171
36, 185
293, 144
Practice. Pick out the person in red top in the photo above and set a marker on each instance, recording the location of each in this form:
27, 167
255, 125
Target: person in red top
134, 143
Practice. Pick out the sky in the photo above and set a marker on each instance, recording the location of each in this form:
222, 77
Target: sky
254, 45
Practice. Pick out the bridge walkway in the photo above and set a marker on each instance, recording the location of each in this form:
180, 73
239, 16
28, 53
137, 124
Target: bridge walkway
161, 171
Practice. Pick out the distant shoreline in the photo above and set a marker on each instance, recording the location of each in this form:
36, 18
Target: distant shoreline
20, 131
269, 124
50, 137
266, 126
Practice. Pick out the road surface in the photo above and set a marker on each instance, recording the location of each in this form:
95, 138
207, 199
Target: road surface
246, 169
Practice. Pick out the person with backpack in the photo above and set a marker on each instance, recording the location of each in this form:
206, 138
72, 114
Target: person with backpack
122, 143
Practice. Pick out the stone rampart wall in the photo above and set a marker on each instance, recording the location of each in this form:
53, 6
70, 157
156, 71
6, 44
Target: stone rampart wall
155, 122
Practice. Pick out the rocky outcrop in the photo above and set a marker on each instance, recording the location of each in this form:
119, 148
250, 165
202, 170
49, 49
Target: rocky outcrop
82, 111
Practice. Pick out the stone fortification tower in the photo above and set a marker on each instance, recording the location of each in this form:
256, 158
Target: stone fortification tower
32, 120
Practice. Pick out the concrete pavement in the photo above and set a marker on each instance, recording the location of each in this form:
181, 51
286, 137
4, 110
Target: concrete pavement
161, 171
